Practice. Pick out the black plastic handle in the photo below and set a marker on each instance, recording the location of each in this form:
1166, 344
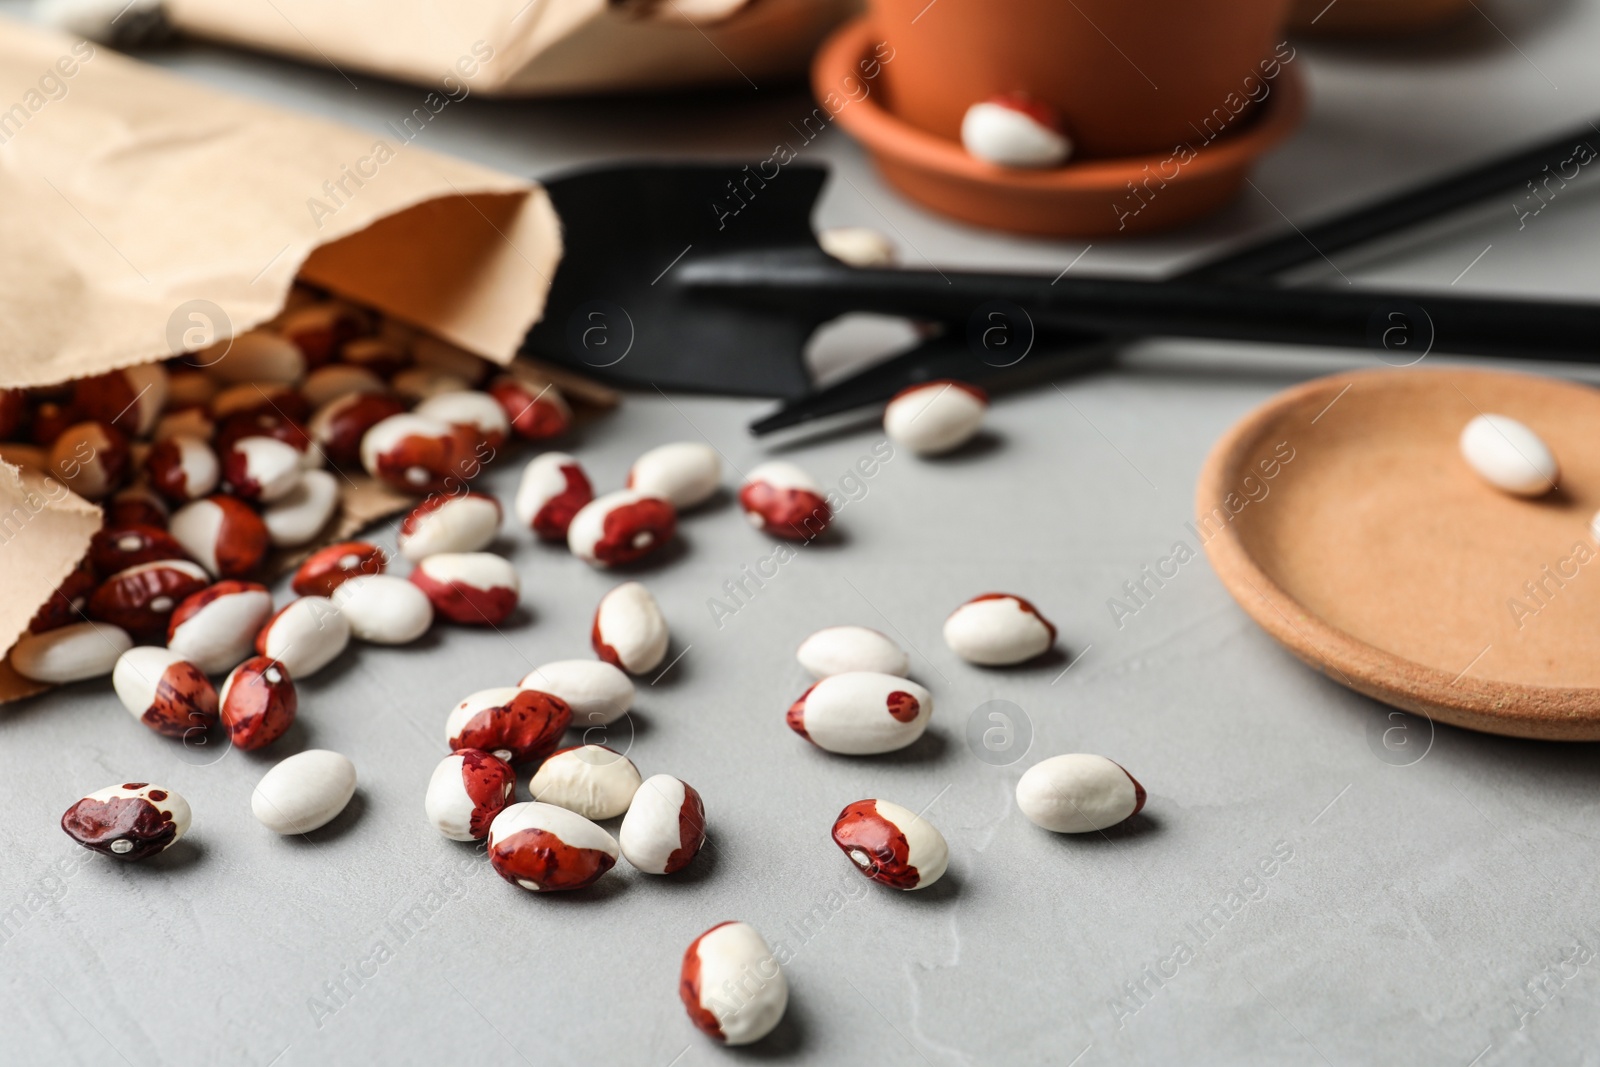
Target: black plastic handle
1402, 323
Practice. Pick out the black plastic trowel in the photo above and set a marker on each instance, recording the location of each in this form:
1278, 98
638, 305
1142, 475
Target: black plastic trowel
708, 278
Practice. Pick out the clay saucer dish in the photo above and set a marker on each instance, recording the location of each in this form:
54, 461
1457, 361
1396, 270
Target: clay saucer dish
1342, 518
1087, 198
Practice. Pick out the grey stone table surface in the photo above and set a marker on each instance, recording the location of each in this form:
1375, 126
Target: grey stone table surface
1313, 882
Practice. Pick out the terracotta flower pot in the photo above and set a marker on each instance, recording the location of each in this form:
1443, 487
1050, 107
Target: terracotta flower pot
1087, 198
1131, 77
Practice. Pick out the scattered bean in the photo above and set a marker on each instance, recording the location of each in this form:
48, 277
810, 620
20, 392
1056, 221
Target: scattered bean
383, 609
553, 490
70, 653
182, 468
629, 630
137, 506
731, 984
303, 792
141, 598
782, 500
91, 458
261, 469
415, 454
862, 713
467, 790
598, 693
1509, 455
116, 548
67, 604
327, 384
1078, 793
621, 527
543, 848
891, 845
538, 412
843, 649
339, 426
478, 413
215, 628
257, 702
130, 399
165, 691
1015, 130
858, 246
132, 821
305, 635
328, 568
998, 629
444, 523
471, 588
227, 538
516, 725
595, 781
298, 517
420, 383
683, 474
665, 826
254, 356
935, 417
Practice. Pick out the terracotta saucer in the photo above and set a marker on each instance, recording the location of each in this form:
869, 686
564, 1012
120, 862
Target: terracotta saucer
1088, 198
1343, 519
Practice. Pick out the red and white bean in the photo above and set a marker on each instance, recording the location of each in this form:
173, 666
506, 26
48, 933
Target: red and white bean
141, 598
595, 781
257, 702
516, 725
629, 630
598, 693
543, 848
467, 790
328, 568
471, 588
683, 474
731, 984
782, 500
227, 538
70, 653
862, 713
935, 417
842, 649
383, 609
1078, 793
998, 629
665, 826
305, 635
621, 527
891, 845
478, 413
132, 821
182, 468
553, 490
445, 523
216, 628
165, 691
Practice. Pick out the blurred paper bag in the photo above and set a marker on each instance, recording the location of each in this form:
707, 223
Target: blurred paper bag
142, 216
533, 47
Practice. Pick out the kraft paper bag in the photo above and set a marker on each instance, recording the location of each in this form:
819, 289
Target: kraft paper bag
143, 216
532, 47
